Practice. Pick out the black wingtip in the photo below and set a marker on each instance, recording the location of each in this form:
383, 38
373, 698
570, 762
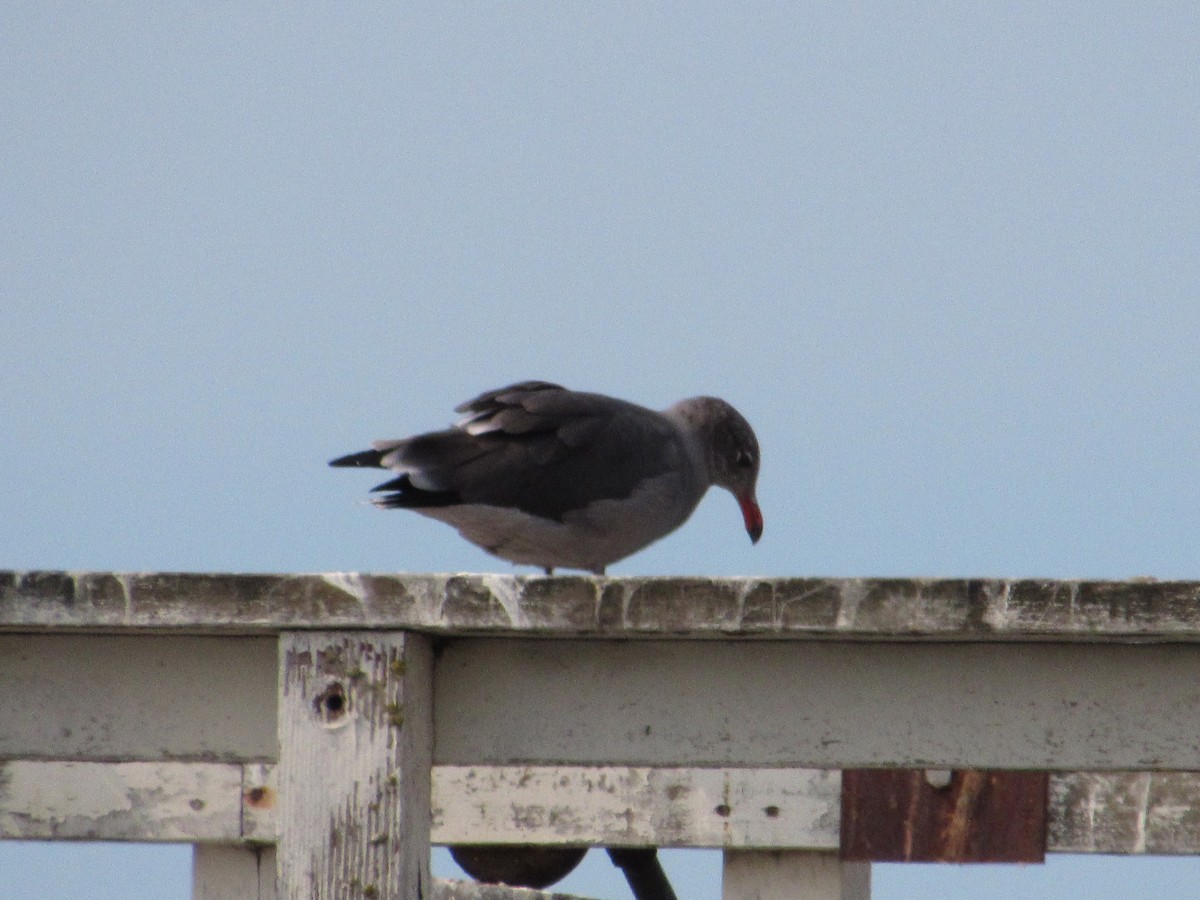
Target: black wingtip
366, 459
396, 484
402, 494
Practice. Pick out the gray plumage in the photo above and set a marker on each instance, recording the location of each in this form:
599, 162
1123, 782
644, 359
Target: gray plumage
541, 475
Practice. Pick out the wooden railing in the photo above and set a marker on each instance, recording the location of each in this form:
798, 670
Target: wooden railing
311, 735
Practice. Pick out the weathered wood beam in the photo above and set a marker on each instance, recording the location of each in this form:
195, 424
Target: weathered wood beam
138, 801
138, 697
637, 806
1131, 812
888, 609
1113, 812
747, 809
822, 704
1006, 705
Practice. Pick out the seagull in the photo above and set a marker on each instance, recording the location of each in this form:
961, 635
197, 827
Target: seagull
540, 475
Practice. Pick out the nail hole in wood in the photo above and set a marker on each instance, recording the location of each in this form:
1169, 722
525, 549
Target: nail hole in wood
260, 798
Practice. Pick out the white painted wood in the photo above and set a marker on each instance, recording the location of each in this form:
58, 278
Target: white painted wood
818, 704
1088, 707
119, 720
119, 801
793, 875
1124, 812
354, 766
612, 806
233, 872
577, 606
1072, 707
137, 697
1116, 812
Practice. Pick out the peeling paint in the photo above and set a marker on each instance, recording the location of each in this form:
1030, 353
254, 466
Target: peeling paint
951, 609
119, 801
507, 592
619, 806
853, 592
996, 615
352, 801
347, 582
1142, 811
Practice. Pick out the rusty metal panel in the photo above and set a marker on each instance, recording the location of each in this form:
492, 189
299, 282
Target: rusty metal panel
919, 815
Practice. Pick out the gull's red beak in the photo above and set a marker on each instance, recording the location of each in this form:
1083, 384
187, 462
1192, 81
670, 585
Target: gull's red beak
753, 517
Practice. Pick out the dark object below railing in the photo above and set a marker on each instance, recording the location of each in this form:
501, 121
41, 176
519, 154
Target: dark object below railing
643, 871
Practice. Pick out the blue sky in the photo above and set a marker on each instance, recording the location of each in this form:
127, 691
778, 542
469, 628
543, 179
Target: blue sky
944, 257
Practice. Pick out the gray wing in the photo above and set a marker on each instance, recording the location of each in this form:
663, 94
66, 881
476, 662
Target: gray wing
536, 447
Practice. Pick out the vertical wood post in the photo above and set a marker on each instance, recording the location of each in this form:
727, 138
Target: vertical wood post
233, 872
793, 875
355, 737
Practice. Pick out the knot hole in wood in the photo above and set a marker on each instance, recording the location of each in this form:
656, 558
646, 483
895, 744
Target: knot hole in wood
332, 705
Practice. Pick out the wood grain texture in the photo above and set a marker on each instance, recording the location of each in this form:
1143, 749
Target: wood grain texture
354, 766
1125, 812
89, 801
819, 704
233, 872
137, 697
636, 807
793, 875
1112, 812
848, 608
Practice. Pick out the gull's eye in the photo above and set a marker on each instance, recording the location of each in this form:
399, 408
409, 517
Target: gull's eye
744, 459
